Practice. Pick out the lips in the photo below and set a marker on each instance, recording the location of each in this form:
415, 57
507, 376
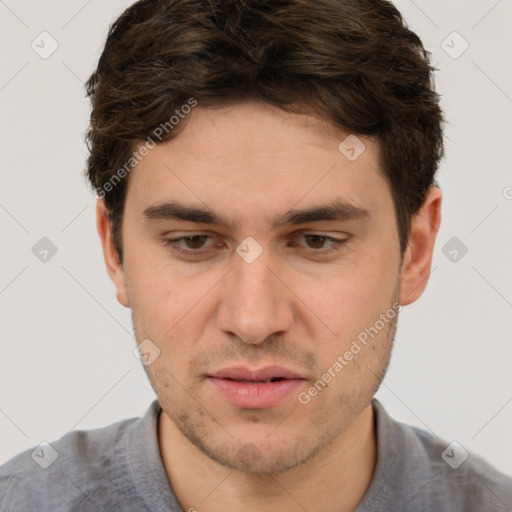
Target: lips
255, 389
265, 374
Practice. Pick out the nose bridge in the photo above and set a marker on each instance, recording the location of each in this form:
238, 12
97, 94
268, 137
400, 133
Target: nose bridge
254, 279
254, 304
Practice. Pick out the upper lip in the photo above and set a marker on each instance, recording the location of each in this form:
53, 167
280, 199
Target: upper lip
265, 373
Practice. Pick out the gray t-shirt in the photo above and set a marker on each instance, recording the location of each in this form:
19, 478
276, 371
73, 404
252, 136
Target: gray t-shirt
119, 468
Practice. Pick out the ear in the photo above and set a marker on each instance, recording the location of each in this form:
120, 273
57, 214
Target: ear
418, 255
114, 266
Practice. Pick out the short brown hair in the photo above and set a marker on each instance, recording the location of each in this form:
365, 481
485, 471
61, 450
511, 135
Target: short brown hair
352, 62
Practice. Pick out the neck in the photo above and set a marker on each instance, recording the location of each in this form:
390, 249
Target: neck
334, 480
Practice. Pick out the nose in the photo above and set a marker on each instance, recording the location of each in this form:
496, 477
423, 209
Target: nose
255, 302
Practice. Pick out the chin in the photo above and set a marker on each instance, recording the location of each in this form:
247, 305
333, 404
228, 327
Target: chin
261, 455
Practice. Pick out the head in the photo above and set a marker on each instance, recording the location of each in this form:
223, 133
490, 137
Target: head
313, 129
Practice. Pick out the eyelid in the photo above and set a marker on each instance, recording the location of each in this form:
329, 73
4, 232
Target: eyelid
295, 234
335, 243
175, 240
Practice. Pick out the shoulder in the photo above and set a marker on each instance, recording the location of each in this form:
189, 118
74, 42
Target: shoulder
70, 473
435, 474
464, 478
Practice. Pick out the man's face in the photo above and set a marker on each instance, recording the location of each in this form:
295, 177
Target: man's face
289, 297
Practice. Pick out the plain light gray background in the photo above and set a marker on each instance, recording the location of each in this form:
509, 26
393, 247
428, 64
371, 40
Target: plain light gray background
66, 359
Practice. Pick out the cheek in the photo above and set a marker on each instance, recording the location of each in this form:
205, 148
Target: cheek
353, 365
155, 288
357, 306
169, 308
353, 296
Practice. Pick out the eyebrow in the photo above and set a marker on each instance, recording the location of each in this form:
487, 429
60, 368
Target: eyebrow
337, 210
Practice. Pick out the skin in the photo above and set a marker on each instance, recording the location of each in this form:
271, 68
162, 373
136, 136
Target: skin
292, 306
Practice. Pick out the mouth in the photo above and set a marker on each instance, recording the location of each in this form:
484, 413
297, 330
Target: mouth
255, 389
273, 379
263, 374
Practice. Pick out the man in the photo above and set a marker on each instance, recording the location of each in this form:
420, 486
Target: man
266, 205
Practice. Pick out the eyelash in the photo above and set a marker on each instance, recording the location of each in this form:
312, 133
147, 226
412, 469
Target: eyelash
173, 244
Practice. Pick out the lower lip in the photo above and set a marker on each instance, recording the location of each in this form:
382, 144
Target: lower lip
255, 395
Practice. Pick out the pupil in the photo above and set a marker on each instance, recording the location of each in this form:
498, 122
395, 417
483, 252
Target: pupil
195, 242
318, 241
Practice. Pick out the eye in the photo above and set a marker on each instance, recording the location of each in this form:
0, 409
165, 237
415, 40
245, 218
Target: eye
195, 241
200, 244
316, 242
188, 244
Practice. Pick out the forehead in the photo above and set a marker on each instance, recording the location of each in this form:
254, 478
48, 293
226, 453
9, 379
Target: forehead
253, 157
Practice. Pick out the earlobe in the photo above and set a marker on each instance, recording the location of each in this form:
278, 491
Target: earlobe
417, 261
114, 266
